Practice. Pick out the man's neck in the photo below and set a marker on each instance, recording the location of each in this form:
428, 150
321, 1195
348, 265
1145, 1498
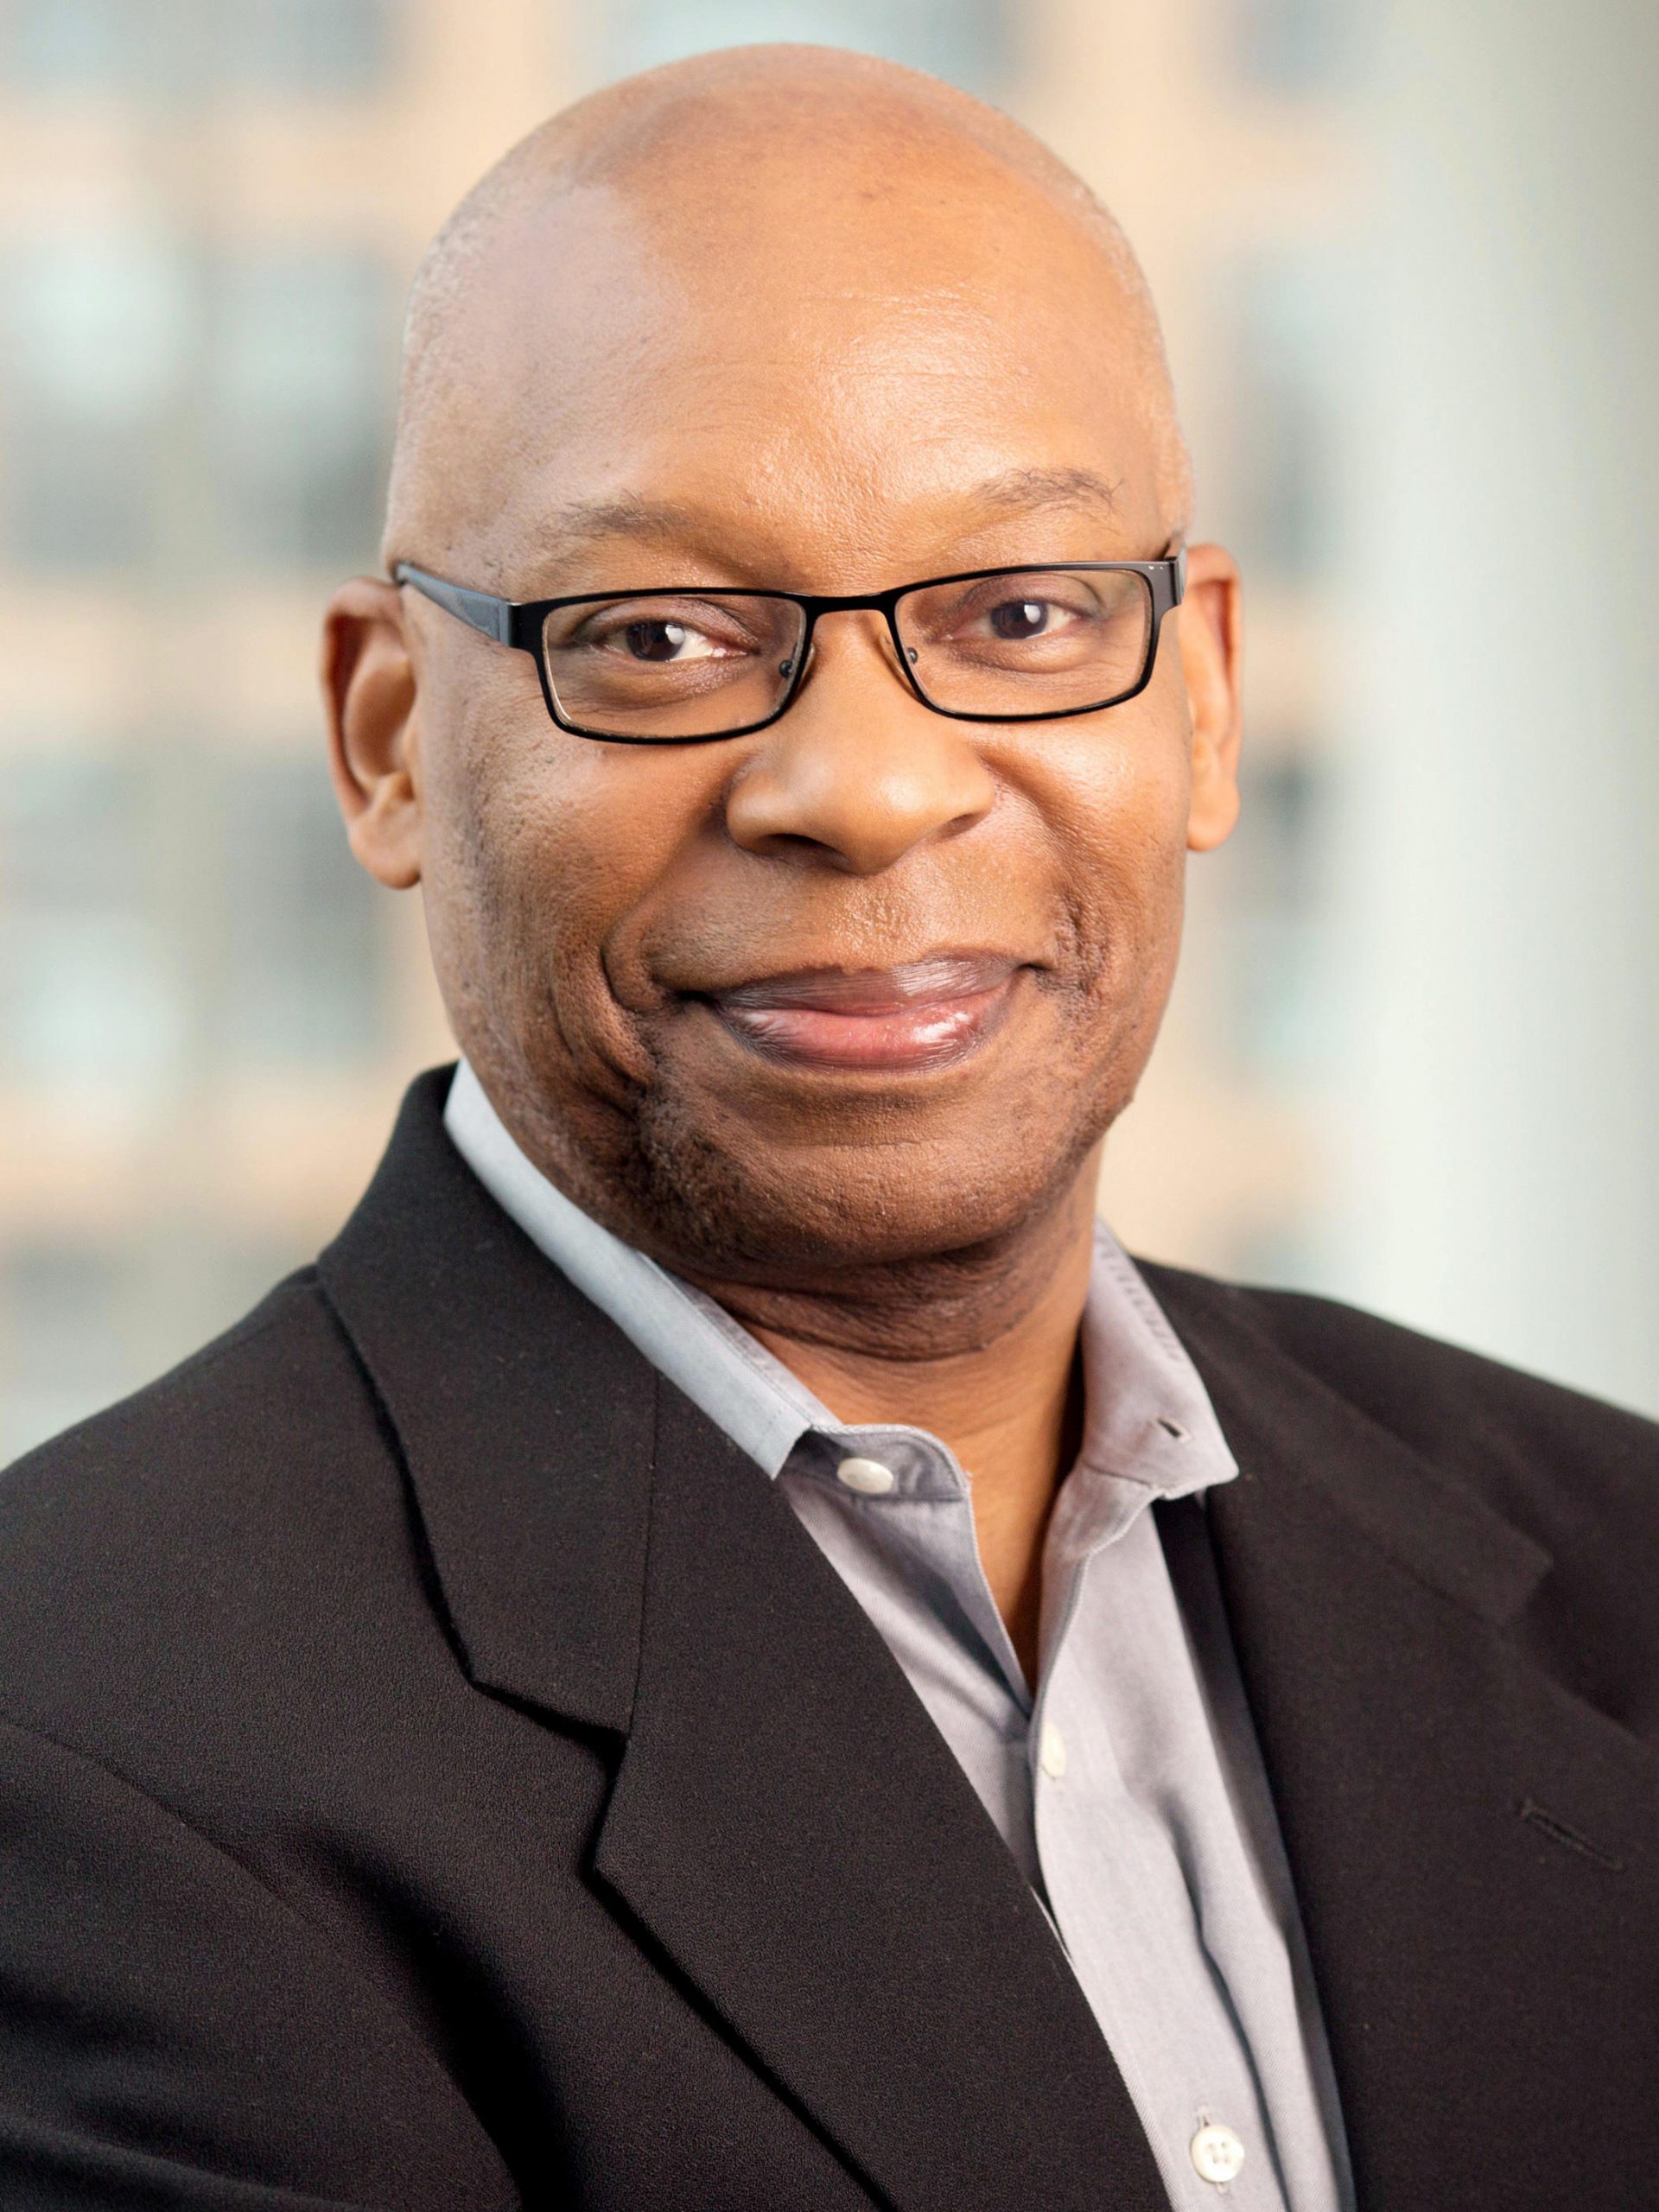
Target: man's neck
1001, 1387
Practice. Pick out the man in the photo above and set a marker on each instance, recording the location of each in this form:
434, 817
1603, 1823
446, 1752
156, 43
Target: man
724, 1647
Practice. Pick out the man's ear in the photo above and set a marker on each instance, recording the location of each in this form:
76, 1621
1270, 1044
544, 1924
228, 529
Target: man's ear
369, 690
1209, 618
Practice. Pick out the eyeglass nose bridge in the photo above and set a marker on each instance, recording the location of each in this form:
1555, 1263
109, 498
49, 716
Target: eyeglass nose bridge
885, 604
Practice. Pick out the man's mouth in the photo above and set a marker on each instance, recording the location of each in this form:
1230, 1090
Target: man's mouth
922, 1014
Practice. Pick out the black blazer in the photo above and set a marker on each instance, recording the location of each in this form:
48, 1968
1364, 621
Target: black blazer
440, 1772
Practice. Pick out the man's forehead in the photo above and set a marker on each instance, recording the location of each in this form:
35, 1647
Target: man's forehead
808, 466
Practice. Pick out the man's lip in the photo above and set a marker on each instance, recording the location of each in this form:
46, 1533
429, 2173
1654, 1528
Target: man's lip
921, 1013
939, 977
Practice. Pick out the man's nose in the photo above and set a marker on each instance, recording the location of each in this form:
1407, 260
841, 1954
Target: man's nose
858, 772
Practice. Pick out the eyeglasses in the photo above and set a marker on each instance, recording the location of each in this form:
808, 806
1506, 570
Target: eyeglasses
680, 664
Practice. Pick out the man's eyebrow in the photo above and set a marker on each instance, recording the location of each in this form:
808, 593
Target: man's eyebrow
1047, 487
627, 514
624, 515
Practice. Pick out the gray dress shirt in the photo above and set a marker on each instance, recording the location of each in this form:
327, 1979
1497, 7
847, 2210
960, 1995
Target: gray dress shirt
1128, 1784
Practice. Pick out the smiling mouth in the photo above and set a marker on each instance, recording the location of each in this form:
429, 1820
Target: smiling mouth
925, 1013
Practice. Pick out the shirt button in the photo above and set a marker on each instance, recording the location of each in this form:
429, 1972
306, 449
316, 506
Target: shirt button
868, 1477
1217, 2153
1051, 1752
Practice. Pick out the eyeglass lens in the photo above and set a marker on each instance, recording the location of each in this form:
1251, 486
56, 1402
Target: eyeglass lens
686, 664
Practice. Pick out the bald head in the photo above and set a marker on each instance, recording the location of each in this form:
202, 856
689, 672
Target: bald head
724, 219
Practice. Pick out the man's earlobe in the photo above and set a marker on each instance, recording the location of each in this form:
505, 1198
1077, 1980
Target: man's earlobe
369, 697
1209, 663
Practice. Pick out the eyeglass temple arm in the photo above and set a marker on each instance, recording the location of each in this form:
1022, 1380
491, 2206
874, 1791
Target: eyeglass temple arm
1177, 558
492, 616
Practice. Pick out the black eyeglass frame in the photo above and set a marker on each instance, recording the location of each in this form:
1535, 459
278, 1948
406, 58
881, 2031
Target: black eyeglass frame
521, 623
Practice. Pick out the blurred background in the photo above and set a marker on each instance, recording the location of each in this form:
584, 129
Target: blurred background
1408, 256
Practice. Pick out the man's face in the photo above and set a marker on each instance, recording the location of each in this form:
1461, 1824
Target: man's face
868, 985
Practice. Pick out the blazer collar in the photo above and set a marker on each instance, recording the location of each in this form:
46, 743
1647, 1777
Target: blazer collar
1290, 1424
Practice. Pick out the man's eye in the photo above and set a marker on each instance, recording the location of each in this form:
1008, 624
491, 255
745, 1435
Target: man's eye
1023, 617
660, 640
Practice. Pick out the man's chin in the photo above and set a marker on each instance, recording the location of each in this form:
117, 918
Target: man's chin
817, 1210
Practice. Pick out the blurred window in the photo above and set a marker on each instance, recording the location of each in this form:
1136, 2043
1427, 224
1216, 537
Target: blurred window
964, 40
307, 46
300, 406
98, 326
193, 46
1283, 450
157, 408
1265, 888
162, 905
1297, 45
303, 979
89, 998
72, 45
64, 1308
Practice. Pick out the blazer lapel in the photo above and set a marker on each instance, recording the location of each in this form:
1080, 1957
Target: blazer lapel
786, 1828
794, 1833
524, 1419
1473, 1846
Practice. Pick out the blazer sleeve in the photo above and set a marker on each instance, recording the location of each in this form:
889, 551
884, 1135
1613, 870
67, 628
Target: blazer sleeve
173, 2035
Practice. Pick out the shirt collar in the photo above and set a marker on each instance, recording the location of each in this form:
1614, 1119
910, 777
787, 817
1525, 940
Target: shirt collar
1149, 1420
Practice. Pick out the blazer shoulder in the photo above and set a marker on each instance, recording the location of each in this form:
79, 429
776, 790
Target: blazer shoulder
258, 1370
187, 1514
1556, 1461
